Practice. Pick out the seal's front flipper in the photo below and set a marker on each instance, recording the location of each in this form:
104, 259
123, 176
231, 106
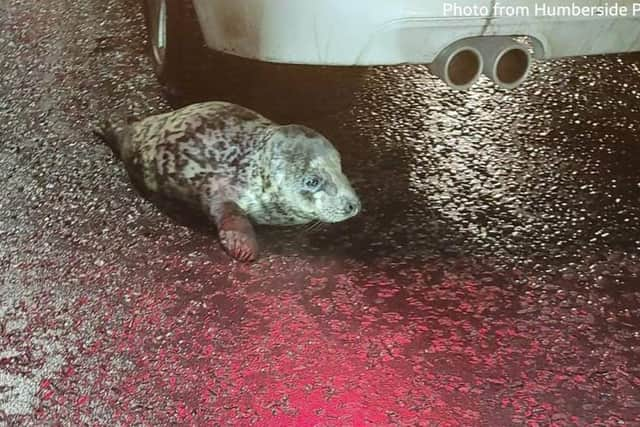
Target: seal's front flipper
236, 233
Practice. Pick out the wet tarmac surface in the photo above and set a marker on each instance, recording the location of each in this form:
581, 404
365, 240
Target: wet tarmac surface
492, 279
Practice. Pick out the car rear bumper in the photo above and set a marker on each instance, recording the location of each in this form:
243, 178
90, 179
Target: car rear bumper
379, 32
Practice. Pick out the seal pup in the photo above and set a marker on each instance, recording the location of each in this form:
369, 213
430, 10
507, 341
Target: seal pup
235, 166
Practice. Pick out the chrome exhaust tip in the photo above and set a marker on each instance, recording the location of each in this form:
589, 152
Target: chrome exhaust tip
506, 62
459, 65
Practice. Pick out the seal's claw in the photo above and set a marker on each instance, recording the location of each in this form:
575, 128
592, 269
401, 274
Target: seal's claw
239, 245
236, 233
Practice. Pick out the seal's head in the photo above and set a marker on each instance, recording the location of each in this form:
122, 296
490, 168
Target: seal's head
306, 171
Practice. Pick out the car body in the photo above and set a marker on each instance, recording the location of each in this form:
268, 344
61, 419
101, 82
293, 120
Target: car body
458, 39
382, 32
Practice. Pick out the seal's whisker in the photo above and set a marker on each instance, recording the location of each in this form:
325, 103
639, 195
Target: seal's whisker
314, 226
311, 226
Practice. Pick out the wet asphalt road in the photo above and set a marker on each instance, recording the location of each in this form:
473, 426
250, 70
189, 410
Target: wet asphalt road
492, 279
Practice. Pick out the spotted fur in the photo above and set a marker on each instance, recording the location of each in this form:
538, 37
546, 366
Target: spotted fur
213, 154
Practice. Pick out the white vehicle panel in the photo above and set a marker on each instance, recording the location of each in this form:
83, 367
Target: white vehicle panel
378, 32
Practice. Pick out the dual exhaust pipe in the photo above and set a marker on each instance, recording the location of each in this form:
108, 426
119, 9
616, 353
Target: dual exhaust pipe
505, 61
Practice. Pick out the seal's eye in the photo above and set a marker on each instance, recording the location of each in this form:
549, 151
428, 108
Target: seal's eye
312, 183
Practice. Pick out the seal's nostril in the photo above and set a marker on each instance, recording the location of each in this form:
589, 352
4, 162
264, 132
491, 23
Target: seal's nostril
352, 207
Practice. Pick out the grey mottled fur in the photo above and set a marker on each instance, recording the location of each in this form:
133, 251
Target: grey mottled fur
210, 153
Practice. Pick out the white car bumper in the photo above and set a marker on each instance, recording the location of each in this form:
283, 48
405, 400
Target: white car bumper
378, 32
